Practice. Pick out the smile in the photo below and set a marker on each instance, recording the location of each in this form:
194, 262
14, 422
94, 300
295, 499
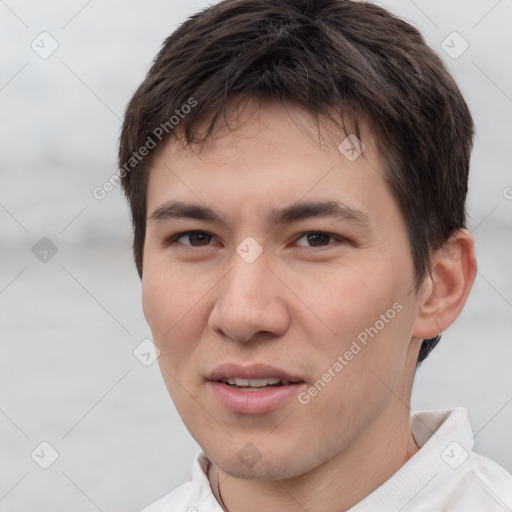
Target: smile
255, 384
254, 389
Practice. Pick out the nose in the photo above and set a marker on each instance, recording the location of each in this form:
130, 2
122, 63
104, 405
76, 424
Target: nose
250, 303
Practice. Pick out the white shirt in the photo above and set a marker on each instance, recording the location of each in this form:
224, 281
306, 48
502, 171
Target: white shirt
444, 475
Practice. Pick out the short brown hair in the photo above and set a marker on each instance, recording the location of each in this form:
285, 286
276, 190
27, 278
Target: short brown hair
338, 59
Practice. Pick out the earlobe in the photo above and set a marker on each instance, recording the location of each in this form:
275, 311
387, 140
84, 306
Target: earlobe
445, 291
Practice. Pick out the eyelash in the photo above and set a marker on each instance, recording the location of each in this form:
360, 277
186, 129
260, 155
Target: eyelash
172, 241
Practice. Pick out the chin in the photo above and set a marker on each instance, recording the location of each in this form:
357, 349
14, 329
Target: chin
249, 463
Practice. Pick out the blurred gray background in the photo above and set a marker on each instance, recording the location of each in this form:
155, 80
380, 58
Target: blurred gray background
71, 321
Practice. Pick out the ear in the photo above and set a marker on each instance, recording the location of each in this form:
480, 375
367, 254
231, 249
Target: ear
444, 292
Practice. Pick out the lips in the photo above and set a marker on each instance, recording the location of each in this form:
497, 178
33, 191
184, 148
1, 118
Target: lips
254, 384
255, 389
228, 371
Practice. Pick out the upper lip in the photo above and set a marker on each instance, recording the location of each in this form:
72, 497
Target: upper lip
255, 371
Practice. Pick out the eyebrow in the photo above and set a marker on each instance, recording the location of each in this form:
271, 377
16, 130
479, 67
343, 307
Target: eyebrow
293, 213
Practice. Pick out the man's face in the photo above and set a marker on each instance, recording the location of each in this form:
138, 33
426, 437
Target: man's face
277, 282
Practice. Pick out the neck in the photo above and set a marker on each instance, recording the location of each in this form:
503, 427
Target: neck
335, 486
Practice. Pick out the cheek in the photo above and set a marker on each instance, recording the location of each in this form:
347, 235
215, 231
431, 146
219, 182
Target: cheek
172, 301
347, 300
369, 315
175, 313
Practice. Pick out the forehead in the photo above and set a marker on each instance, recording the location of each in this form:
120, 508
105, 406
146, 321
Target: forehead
268, 157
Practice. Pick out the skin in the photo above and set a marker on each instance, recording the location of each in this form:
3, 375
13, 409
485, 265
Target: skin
297, 307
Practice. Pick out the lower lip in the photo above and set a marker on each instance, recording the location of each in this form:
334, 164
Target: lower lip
254, 402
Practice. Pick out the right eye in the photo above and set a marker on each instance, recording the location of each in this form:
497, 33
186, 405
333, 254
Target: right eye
191, 239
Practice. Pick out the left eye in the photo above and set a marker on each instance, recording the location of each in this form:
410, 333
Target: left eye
315, 239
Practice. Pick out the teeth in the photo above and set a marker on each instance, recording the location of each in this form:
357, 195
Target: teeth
255, 383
